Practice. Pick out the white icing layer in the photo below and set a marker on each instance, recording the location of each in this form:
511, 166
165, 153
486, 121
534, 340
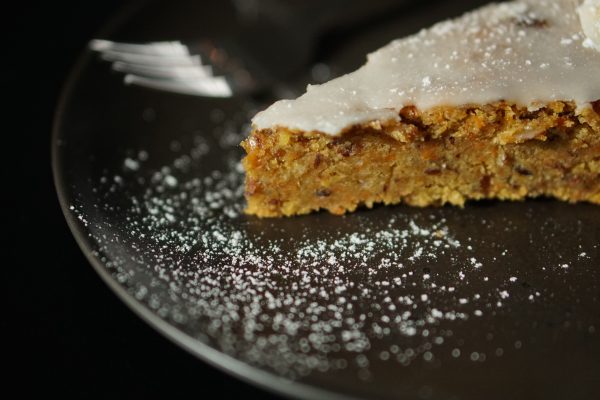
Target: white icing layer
528, 52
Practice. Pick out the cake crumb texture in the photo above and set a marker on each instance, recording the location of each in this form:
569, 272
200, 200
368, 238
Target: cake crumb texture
443, 155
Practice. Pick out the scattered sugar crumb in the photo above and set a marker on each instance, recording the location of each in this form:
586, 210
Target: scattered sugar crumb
292, 297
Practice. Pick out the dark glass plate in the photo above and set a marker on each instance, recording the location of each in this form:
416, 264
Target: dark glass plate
496, 300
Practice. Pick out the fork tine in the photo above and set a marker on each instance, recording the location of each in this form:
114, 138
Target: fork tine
161, 60
210, 87
155, 48
164, 72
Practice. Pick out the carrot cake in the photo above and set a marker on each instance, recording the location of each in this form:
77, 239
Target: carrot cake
503, 103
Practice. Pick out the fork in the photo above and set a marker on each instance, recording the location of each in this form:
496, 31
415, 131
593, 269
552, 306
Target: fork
167, 66
261, 52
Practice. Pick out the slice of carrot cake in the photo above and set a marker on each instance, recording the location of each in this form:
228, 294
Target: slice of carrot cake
502, 103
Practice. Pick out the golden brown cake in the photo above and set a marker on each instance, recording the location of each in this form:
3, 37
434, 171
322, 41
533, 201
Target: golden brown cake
427, 121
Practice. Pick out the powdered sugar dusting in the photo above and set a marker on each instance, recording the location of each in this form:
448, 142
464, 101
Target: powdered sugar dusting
390, 286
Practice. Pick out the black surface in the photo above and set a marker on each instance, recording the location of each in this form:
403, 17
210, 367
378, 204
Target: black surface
65, 333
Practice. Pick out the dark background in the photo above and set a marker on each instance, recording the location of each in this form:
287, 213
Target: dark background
66, 333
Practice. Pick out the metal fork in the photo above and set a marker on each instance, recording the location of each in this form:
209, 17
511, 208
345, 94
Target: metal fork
279, 40
167, 66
